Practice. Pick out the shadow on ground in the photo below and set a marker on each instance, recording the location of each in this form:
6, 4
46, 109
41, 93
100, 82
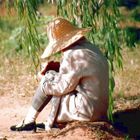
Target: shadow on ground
128, 122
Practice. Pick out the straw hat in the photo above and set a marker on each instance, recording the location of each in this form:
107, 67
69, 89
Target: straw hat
61, 34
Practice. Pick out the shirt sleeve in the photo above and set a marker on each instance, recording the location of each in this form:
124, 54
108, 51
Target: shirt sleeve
68, 77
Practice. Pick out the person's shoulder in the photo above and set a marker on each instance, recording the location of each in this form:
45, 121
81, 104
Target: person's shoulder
78, 53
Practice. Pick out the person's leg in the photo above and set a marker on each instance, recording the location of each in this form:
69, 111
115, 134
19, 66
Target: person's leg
39, 101
53, 113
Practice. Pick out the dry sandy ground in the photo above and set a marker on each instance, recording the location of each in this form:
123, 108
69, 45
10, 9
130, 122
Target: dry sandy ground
13, 109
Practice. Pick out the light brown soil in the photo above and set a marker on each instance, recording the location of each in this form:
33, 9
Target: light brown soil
13, 109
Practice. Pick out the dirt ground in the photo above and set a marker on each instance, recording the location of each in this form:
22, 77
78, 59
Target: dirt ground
17, 86
14, 108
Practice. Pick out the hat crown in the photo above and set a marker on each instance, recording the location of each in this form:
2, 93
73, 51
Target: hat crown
59, 28
61, 34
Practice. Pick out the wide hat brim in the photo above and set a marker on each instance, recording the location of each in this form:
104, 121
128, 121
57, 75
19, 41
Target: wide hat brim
64, 42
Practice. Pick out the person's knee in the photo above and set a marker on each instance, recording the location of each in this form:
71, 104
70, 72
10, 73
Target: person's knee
39, 98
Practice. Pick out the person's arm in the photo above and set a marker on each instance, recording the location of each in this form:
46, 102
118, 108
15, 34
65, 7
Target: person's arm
67, 79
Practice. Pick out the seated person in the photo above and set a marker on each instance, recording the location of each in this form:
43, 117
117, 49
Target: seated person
77, 87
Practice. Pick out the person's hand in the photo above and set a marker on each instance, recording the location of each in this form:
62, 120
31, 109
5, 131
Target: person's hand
51, 66
46, 67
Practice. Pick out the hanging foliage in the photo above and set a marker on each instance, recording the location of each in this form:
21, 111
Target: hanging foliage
28, 35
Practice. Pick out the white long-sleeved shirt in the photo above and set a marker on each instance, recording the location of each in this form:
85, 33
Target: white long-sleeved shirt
82, 84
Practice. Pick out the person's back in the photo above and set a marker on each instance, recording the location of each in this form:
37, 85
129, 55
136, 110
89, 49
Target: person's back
91, 68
